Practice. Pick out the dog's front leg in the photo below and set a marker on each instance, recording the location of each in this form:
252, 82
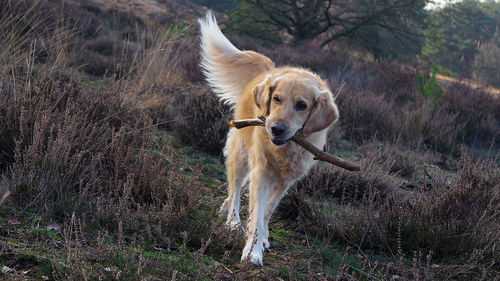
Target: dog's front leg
259, 191
237, 170
274, 199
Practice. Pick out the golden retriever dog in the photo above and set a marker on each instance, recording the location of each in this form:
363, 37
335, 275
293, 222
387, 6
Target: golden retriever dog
291, 99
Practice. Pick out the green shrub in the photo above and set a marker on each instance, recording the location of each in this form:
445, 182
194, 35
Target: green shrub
431, 89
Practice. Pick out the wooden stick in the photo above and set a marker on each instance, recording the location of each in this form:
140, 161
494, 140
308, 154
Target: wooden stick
299, 139
323, 156
238, 124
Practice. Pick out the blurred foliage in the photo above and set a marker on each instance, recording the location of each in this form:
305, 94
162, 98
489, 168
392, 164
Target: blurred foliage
240, 23
384, 45
487, 62
326, 20
219, 5
454, 33
456, 37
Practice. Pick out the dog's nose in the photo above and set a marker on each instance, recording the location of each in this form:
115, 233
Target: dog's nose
278, 129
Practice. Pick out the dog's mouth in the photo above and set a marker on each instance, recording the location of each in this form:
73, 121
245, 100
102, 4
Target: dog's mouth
278, 141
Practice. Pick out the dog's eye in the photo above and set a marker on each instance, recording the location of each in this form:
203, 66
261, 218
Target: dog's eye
276, 99
300, 105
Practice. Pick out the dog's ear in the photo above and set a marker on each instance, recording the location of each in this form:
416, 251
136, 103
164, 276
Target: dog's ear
261, 92
258, 94
323, 114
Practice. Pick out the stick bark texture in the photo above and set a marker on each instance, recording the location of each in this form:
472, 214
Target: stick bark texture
299, 139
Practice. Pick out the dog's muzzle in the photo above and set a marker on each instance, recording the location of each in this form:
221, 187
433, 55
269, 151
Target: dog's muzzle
279, 131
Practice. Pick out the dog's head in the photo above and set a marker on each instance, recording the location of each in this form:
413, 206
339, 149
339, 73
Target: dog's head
294, 99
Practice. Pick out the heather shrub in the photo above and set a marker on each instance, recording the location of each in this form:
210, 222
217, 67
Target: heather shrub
204, 119
105, 55
378, 105
98, 65
86, 18
476, 113
365, 114
394, 159
8, 130
455, 219
55, 146
345, 186
98, 155
395, 81
18, 55
103, 45
452, 218
188, 59
420, 124
390, 110
335, 136
73, 148
310, 55
430, 127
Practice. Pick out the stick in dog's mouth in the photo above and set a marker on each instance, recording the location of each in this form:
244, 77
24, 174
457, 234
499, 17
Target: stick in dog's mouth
298, 139
260, 121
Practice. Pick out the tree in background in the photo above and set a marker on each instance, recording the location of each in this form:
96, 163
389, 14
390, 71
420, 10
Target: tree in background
487, 63
242, 22
385, 45
296, 21
454, 34
219, 5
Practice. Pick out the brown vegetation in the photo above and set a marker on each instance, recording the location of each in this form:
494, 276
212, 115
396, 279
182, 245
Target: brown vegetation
89, 140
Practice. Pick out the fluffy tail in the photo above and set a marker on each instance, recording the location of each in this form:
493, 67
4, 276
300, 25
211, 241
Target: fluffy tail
228, 70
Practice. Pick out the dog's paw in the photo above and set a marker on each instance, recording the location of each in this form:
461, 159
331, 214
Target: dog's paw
253, 252
254, 257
